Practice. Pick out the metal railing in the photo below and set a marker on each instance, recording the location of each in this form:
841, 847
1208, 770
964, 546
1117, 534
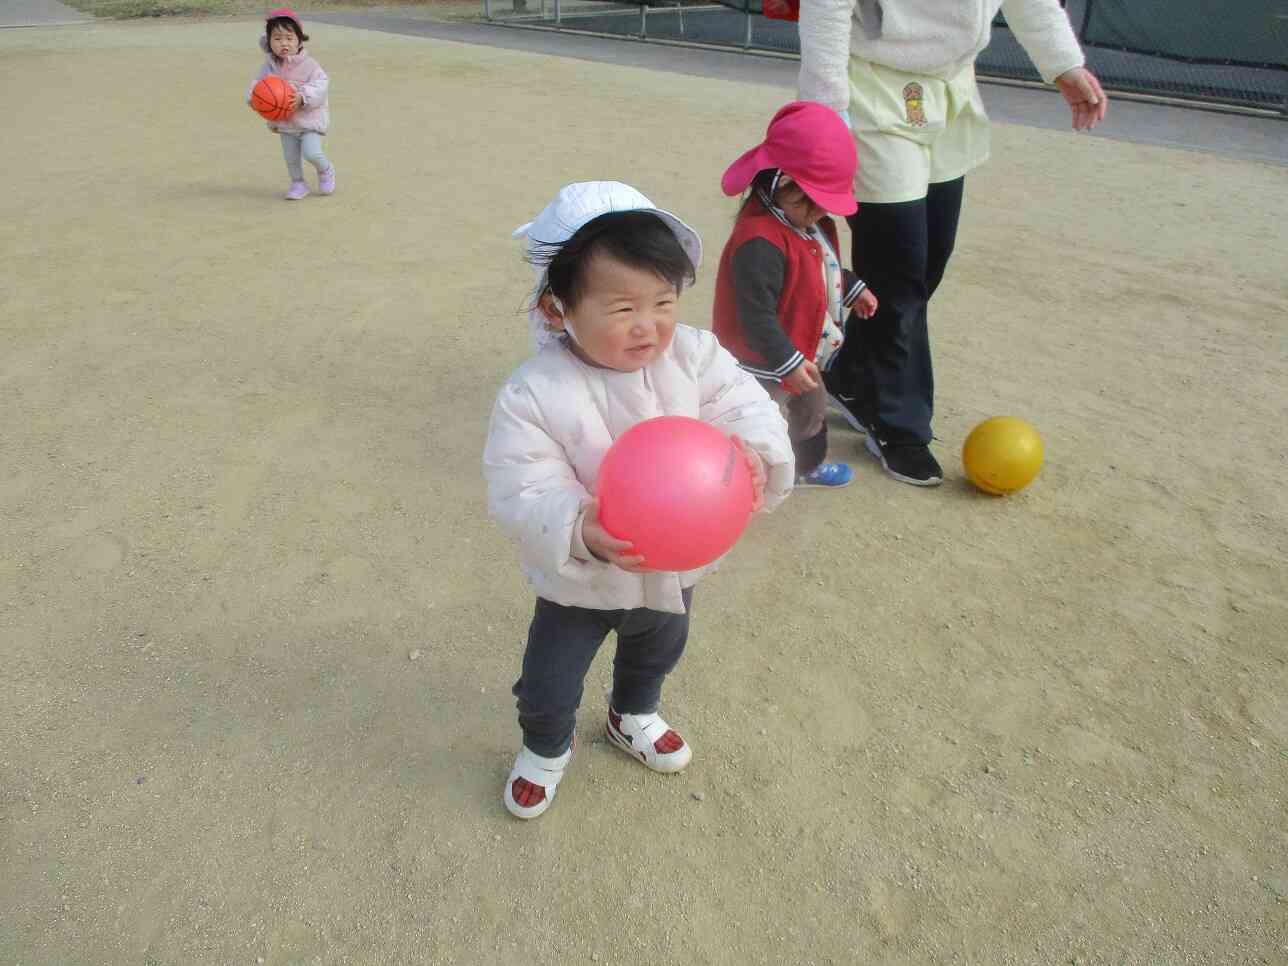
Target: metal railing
1122, 67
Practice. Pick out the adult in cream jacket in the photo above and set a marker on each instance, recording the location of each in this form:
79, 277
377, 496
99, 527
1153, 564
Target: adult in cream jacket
902, 72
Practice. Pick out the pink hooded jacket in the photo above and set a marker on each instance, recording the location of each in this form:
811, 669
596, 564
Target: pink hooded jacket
307, 76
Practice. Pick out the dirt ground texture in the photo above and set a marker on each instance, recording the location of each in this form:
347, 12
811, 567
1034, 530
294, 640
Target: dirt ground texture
258, 633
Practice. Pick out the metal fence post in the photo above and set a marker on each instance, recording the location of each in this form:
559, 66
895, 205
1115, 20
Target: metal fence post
558, 14
487, 9
746, 12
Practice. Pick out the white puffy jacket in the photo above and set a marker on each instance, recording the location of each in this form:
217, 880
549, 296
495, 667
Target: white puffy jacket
936, 38
552, 424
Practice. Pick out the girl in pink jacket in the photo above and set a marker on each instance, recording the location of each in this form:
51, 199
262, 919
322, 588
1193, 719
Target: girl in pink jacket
302, 132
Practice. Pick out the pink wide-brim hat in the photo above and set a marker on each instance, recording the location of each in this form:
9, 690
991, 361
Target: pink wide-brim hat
811, 144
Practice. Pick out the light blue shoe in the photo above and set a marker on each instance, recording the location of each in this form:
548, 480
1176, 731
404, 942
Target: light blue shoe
827, 474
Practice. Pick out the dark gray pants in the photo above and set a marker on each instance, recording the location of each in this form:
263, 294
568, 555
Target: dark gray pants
562, 641
806, 417
901, 250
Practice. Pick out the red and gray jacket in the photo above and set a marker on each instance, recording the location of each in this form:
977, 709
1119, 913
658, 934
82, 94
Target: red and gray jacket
770, 297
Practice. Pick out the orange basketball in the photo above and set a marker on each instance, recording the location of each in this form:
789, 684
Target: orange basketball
273, 98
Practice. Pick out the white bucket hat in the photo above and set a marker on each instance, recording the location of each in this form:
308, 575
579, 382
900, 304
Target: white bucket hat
572, 208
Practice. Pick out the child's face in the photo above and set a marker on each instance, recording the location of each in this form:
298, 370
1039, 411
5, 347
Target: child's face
799, 207
625, 318
283, 42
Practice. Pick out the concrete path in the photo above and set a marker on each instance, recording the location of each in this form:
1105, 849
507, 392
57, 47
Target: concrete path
39, 13
1247, 138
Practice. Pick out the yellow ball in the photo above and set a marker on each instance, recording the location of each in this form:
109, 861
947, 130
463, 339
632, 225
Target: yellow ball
1002, 455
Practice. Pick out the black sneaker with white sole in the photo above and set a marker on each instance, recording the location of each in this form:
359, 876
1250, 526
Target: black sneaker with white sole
907, 462
846, 405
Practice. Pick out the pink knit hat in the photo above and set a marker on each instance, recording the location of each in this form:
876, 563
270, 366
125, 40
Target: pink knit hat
286, 12
812, 145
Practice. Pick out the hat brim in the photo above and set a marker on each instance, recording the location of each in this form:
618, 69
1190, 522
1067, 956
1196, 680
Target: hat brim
690, 241
833, 202
743, 171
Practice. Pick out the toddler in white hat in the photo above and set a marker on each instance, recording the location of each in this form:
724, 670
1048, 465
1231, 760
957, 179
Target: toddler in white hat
610, 353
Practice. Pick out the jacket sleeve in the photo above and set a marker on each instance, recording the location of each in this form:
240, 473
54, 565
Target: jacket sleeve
1043, 29
851, 288
758, 271
314, 89
532, 491
825, 27
732, 400
264, 70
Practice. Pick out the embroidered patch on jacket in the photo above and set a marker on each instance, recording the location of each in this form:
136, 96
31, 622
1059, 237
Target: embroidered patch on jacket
913, 98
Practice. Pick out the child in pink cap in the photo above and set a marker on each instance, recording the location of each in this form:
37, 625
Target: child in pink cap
781, 293
303, 130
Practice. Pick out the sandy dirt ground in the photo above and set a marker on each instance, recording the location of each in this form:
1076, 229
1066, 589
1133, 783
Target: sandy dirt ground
240, 490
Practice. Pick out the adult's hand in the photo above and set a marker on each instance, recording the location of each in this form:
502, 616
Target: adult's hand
1087, 100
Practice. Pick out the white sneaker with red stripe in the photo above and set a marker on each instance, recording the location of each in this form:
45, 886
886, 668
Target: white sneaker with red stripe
649, 740
533, 782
